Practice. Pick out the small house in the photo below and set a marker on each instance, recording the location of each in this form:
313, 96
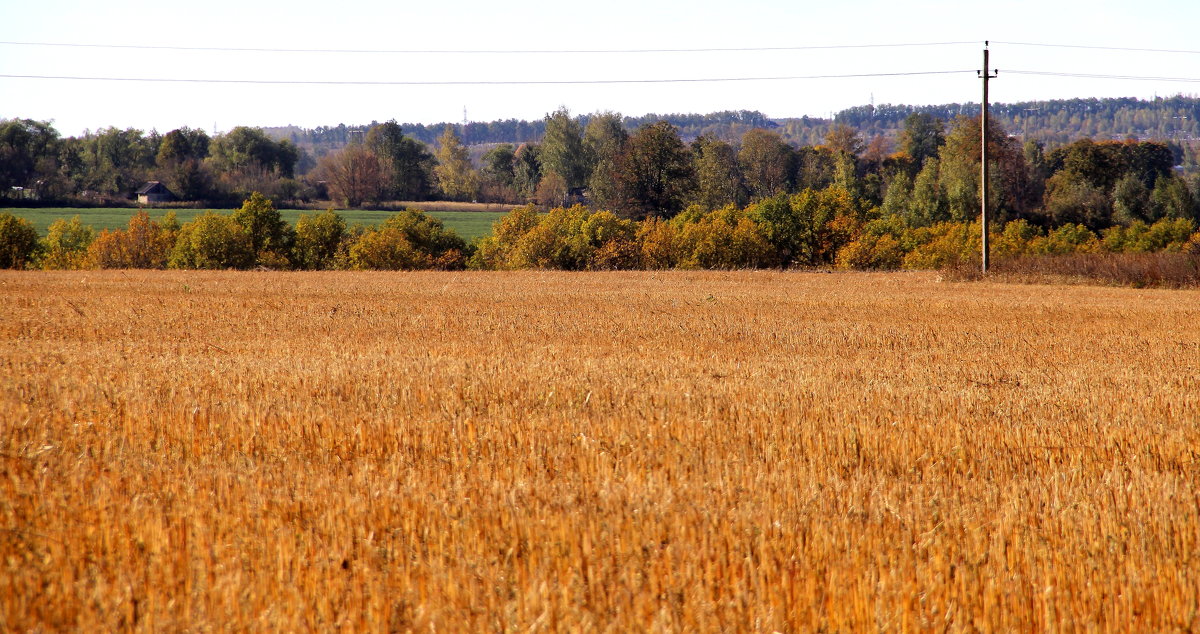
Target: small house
154, 192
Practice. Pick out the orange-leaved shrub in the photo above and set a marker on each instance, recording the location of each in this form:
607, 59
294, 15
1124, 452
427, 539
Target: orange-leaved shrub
810, 227
319, 240
496, 252
656, 244
145, 244
612, 242
568, 238
1167, 234
721, 239
212, 241
941, 245
18, 242
408, 240
270, 236
66, 244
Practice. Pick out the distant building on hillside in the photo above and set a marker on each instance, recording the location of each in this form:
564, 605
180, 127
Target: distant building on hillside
154, 192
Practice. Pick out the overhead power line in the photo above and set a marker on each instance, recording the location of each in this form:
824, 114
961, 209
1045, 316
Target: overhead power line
477, 51
1047, 73
581, 51
314, 82
1101, 48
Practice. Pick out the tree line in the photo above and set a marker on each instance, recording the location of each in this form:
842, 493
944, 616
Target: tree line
927, 174
1053, 122
825, 228
1058, 121
108, 165
324, 139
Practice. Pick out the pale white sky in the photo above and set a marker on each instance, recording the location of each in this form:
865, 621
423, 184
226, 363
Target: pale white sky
539, 25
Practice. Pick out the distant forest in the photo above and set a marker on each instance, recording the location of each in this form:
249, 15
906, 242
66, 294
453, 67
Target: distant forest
727, 126
1090, 161
1053, 123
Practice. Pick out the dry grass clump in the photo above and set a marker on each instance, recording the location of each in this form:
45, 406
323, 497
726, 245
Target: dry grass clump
1137, 270
535, 451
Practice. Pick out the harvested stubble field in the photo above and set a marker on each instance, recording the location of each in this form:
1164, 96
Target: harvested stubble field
749, 451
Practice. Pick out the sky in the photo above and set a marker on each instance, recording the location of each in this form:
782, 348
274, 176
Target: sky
401, 43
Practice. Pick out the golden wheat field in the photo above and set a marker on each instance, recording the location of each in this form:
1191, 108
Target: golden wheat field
537, 451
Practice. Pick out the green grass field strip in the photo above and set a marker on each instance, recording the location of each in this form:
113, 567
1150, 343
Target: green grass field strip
468, 224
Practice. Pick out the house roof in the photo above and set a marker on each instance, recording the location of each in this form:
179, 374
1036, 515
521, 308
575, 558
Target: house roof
153, 187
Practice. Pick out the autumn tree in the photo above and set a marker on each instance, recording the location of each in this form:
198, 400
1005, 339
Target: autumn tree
806, 228
183, 144
725, 238
455, 176
496, 177
354, 175
1072, 199
767, 162
923, 137
718, 174
114, 161
245, 148
145, 244
959, 170
212, 241
66, 243
497, 250
270, 237
843, 138
408, 240
318, 240
656, 172
527, 170
181, 165
552, 190
563, 149
604, 140
877, 150
407, 163
18, 242
28, 152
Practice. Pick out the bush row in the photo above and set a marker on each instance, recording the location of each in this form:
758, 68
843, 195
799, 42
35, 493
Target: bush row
254, 235
813, 228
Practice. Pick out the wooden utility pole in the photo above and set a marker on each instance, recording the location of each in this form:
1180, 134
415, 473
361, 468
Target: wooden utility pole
985, 74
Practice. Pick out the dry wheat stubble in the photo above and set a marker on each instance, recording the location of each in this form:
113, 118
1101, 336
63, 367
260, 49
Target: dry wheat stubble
625, 451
